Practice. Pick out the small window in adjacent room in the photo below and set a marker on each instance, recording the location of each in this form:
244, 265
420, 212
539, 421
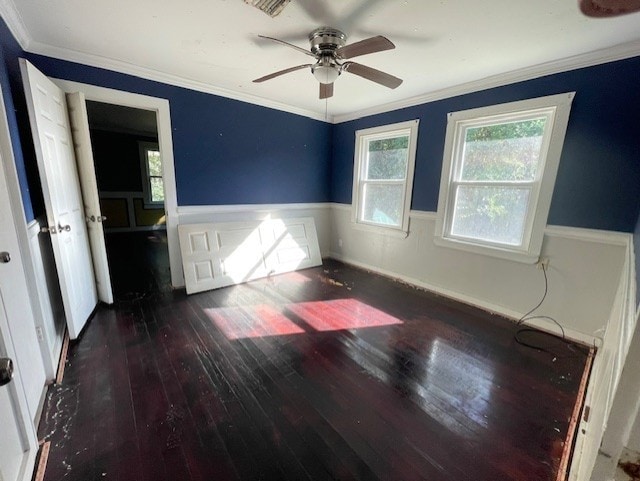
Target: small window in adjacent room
383, 175
498, 174
151, 161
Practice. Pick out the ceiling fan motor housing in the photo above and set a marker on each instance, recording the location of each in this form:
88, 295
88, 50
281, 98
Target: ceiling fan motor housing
326, 40
324, 43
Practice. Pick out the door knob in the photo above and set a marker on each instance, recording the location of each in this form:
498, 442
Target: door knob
5, 257
102, 218
6, 370
61, 227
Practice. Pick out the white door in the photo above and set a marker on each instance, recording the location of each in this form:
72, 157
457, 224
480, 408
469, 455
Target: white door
218, 255
18, 444
18, 341
61, 189
79, 121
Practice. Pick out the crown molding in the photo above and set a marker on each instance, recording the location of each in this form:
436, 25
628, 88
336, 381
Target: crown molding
14, 21
12, 17
9, 13
598, 57
166, 78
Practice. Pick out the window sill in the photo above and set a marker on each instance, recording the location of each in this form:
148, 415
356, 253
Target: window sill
523, 257
378, 229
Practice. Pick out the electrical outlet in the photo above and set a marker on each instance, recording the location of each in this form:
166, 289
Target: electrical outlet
39, 333
543, 262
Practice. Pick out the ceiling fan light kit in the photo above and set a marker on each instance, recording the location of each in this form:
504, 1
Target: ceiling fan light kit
326, 71
329, 47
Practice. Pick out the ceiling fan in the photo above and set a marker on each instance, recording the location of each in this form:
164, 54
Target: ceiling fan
331, 52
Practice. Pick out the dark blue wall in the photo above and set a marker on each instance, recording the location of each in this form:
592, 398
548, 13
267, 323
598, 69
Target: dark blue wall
14, 101
598, 183
225, 151
231, 152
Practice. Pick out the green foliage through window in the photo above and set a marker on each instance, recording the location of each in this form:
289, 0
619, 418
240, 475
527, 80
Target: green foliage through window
156, 183
503, 152
388, 158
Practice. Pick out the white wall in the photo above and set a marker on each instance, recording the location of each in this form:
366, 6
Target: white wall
584, 270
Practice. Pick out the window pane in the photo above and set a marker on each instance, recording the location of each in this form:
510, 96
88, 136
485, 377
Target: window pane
154, 162
388, 158
157, 189
507, 151
495, 214
383, 204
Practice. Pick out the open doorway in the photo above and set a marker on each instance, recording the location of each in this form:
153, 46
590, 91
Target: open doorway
128, 164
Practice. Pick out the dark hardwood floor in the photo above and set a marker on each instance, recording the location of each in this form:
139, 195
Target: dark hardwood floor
326, 373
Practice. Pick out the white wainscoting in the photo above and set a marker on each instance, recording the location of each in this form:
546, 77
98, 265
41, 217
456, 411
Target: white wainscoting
606, 374
584, 271
48, 311
591, 293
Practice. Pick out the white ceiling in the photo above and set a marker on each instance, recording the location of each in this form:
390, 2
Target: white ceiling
212, 45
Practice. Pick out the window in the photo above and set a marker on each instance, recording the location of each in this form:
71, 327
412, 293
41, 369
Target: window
383, 176
499, 169
153, 183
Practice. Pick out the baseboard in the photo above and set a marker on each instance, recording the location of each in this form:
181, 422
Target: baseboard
472, 301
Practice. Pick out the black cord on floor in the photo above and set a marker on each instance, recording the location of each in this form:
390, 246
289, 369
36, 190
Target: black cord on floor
527, 317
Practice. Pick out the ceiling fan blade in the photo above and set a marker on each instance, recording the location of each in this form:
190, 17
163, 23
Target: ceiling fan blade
372, 74
608, 8
398, 36
364, 47
299, 49
281, 72
326, 91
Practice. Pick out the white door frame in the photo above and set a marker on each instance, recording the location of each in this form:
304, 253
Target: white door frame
165, 142
47, 345
23, 258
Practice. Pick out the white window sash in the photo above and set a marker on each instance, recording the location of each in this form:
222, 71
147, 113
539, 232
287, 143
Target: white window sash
361, 165
144, 149
556, 110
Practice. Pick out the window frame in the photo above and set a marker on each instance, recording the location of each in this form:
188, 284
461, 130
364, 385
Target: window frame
143, 148
363, 137
556, 109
